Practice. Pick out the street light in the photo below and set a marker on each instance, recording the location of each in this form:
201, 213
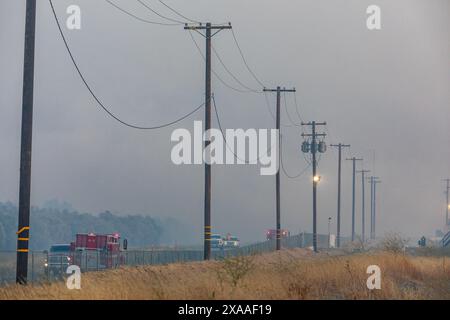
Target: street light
329, 232
317, 179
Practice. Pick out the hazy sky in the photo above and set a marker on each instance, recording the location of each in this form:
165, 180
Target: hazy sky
384, 92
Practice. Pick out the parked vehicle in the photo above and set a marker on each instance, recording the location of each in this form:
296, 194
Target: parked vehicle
88, 251
231, 242
93, 252
59, 257
271, 234
216, 241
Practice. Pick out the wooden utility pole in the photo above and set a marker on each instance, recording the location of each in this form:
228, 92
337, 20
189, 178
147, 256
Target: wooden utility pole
363, 204
23, 232
373, 181
208, 35
340, 146
314, 148
278, 90
354, 194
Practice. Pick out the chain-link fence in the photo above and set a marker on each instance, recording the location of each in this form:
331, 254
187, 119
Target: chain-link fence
36, 263
46, 267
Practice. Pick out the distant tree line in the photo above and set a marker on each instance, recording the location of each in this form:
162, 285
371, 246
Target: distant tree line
57, 226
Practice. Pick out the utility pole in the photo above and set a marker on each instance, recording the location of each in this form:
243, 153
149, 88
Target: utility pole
314, 147
208, 28
447, 204
338, 236
23, 232
373, 181
278, 90
353, 194
363, 204
371, 207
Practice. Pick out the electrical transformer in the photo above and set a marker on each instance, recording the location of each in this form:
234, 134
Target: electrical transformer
322, 147
305, 147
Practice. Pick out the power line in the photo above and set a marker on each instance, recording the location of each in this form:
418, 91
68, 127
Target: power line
297, 108
301, 173
268, 106
231, 74
160, 15
212, 70
177, 12
225, 140
245, 61
329, 133
185, 17
139, 18
98, 100
271, 113
287, 112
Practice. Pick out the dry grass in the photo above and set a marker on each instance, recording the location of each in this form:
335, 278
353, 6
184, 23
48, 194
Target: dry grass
290, 274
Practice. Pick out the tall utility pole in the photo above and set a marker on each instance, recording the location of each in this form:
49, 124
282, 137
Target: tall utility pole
363, 204
354, 194
338, 236
208, 27
278, 90
23, 232
373, 181
314, 148
447, 204
371, 207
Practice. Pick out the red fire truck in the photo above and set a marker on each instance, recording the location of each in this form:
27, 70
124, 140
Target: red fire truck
89, 252
97, 251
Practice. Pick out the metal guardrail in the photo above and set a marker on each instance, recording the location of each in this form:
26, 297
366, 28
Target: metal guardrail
93, 261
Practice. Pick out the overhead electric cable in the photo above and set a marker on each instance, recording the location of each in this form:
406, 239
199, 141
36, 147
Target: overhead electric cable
297, 108
160, 15
302, 172
98, 100
287, 112
212, 70
225, 140
177, 12
245, 60
139, 18
232, 75
271, 113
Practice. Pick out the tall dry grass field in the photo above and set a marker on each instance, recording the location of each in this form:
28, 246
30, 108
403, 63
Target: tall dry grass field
289, 274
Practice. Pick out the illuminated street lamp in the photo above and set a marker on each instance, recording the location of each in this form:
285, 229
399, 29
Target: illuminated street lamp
329, 232
317, 179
